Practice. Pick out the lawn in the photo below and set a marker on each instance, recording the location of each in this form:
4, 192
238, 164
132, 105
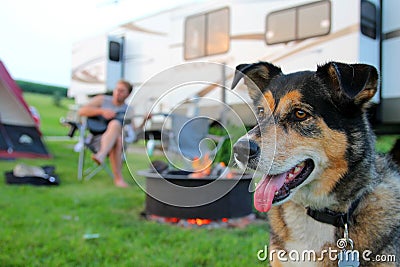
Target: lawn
50, 114
46, 226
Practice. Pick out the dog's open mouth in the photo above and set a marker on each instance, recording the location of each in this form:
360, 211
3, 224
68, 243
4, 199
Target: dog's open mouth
275, 188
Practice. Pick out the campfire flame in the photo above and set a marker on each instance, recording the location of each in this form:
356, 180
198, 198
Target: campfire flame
199, 221
201, 166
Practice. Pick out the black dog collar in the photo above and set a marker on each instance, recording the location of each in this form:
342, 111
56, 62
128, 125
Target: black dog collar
337, 219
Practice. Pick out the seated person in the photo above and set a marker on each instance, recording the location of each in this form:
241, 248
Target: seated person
112, 108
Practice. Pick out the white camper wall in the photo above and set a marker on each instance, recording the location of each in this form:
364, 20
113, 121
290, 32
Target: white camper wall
88, 68
146, 44
156, 43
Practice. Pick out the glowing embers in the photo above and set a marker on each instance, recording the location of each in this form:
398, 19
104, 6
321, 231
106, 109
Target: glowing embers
204, 223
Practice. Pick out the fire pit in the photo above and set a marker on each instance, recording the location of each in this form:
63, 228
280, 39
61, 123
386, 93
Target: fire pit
174, 196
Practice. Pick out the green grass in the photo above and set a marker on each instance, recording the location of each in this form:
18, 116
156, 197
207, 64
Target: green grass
45, 226
385, 143
50, 114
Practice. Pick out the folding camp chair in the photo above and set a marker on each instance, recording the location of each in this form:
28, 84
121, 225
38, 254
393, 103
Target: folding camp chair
89, 142
189, 139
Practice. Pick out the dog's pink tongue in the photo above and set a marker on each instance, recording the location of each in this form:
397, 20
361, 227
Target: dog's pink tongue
265, 192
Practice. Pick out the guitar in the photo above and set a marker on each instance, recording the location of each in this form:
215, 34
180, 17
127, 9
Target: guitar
98, 124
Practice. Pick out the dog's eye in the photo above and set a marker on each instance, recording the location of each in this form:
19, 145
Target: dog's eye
260, 111
300, 115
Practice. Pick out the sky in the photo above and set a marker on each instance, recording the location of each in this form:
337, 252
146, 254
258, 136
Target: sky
37, 35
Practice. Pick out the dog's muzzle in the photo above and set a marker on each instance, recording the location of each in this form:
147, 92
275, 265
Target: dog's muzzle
246, 151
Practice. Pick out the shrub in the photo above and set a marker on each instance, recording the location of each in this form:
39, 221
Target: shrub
233, 133
42, 88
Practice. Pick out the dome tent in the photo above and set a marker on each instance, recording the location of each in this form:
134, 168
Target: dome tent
19, 134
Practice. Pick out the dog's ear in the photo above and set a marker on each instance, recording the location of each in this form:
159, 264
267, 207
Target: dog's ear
354, 83
256, 76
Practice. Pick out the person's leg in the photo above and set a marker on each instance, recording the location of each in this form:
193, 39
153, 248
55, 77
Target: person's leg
108, 140
116, 163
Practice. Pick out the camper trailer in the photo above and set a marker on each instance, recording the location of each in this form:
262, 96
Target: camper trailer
204, 42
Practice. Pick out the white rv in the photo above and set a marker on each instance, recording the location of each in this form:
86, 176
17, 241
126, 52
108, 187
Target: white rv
211, 38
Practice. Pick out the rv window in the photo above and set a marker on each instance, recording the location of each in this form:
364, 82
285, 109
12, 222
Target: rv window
114, 51
313, 20
195, 37
368, 19
207, 34
218, 32
281, 26
298, 23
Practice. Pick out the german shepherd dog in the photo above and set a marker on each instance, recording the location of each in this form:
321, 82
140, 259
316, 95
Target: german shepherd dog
322, 180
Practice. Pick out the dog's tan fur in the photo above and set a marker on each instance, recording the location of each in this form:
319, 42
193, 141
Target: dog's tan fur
346, 166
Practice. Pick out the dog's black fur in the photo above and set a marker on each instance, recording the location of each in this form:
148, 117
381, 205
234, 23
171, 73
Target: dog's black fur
335, 136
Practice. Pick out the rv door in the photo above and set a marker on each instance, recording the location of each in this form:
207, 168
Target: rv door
115, 61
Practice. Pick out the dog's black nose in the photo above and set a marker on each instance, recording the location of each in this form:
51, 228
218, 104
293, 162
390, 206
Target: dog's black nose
245, 150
